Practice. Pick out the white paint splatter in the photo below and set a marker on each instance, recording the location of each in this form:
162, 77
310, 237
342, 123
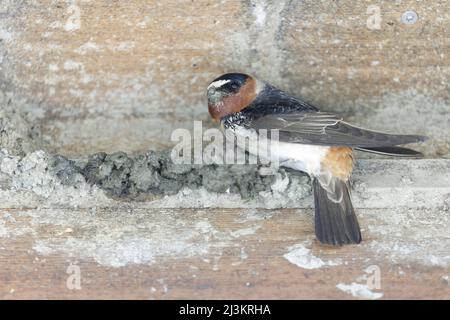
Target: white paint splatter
302, 257
359, 290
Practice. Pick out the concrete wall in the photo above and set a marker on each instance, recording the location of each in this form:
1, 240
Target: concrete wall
121, 75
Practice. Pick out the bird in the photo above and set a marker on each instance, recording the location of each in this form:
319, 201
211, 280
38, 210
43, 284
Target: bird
318, 143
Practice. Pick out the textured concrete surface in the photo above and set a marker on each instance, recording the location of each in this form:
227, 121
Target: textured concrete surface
41, 179
120, 76
78, 78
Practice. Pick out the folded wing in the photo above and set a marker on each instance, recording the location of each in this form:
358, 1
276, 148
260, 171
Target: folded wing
322, 128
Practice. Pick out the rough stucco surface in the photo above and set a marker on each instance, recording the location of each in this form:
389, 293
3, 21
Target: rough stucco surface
126, 74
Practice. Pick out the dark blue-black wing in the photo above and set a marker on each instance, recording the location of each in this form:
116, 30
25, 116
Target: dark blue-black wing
322, 128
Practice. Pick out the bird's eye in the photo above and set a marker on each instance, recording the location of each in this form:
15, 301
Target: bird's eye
234, 86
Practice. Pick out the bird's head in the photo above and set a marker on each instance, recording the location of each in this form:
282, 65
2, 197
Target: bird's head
230, 93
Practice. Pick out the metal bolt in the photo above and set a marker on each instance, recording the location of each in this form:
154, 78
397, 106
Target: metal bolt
409, 17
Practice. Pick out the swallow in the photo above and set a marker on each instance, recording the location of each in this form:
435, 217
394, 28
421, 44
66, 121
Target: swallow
309, 140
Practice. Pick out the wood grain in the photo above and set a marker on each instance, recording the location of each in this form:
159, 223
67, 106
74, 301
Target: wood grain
262, 274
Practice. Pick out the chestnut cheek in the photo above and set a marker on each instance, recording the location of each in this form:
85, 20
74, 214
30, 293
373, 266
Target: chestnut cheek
213, 112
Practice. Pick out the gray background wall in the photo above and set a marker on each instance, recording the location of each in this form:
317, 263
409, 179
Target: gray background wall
121, 75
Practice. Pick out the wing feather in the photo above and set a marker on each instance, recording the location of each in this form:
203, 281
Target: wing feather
322, 128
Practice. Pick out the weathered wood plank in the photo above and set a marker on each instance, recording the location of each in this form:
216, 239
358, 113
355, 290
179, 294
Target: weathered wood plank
219, 254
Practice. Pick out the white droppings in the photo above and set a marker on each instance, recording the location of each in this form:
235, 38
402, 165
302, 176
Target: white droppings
301, 256
359, 290
280, 184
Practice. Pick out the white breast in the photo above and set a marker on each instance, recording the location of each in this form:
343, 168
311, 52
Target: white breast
303, 157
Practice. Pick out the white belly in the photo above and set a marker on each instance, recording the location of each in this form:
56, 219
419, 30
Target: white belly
302, 157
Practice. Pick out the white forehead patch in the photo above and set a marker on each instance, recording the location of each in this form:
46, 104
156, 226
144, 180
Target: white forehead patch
218, 83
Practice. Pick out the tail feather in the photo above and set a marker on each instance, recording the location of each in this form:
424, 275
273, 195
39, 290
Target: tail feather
335, 221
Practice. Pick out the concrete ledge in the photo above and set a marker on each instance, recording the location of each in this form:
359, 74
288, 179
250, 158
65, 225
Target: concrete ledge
37, 180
